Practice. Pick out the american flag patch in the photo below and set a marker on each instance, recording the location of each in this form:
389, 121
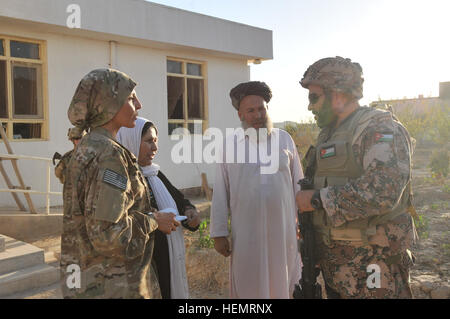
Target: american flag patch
384, 137
114, 179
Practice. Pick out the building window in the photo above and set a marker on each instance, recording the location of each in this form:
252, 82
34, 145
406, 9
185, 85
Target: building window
186, 95
22, 88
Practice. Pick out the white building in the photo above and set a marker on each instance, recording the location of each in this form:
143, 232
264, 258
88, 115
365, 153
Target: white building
185, 65
421, 104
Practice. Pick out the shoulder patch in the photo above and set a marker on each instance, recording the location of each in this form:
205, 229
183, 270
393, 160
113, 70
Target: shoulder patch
384, 137
114, 179
329, 151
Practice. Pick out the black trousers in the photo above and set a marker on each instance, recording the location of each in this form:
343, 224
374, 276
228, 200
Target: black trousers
162, 262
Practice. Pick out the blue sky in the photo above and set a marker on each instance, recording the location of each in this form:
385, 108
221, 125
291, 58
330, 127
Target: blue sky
402, 45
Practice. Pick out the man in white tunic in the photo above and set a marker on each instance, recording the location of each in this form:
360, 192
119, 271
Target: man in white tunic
259, 196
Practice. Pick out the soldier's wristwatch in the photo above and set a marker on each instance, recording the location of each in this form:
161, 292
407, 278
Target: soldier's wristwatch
316, 201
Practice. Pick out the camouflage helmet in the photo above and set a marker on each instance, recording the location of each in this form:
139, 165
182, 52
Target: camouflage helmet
75, 133
338, 74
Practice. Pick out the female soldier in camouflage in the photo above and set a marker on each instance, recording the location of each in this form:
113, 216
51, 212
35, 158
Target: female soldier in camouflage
108, 230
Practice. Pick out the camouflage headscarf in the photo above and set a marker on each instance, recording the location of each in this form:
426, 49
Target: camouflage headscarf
338, 74
250, 88
98, 98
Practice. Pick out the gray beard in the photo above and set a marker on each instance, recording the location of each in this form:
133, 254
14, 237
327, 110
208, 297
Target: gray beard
268, 125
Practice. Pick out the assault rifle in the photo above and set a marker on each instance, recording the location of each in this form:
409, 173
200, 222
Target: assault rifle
56, 156
308, 288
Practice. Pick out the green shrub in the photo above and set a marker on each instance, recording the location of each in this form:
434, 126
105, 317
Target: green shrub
204, 241
430, 126
304, 135
446, 188
446, 249
440, 163
422, 226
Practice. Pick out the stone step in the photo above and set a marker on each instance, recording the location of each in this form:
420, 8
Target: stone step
52, 258
48, 292
2, 243
19, 255
28, 278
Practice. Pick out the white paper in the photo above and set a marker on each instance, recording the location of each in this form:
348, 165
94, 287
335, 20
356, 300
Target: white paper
168, 210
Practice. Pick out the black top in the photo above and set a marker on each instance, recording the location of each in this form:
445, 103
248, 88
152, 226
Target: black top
182, 203
161, 259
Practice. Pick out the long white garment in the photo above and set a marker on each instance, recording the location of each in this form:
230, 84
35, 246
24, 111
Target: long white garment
179, 288
131, 139
265, 262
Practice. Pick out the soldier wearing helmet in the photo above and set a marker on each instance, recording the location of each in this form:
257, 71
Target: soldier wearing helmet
74, 134
362, 199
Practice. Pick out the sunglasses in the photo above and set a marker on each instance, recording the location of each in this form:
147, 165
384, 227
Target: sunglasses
314, 98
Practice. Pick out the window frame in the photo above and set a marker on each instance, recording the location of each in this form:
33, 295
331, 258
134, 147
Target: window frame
186, 121
42, 61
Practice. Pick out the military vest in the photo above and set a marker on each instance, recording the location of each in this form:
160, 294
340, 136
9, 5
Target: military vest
336, 165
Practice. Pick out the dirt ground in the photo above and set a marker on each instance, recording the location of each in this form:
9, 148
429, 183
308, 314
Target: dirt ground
430, 277
208, 272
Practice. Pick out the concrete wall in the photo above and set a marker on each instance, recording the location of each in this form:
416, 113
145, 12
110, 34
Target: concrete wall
415, 106
70, 58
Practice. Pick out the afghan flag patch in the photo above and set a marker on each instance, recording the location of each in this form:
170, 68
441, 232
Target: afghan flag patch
329, 151
384, 137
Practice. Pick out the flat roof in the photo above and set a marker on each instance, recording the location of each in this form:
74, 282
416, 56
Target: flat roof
144, 23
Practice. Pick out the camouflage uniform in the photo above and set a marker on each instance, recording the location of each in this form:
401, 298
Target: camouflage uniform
382, 150
386, 166
60, 168
105, 230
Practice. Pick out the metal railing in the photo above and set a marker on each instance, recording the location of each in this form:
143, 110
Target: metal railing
48, 192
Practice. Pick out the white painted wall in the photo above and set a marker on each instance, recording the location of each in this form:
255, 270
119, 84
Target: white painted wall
146, 21
70, 58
